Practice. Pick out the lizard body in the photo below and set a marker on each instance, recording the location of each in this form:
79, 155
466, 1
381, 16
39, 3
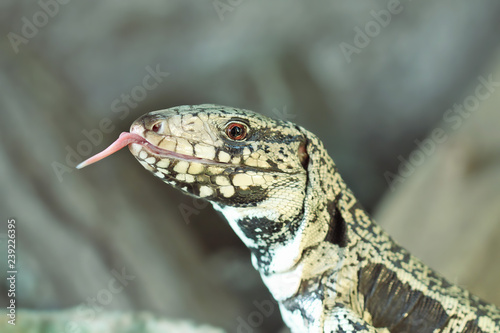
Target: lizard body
329, 266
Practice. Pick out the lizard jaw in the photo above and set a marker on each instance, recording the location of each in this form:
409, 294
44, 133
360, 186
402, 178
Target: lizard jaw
127, 138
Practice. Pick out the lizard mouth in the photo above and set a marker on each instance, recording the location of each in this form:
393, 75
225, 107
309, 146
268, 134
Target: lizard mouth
127, 138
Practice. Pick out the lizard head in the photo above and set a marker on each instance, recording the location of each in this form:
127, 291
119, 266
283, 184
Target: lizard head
225, 155
271, 179
229, 156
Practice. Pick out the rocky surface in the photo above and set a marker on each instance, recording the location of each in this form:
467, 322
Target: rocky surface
72, 321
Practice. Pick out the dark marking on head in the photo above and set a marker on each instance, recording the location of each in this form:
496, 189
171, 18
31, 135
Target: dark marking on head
261, 254
395, 305
259, 228
267, 230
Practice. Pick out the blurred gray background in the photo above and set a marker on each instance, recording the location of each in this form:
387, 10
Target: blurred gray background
369, 78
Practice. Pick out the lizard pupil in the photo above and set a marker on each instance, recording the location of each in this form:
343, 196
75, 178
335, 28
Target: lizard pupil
236, 131
156, 127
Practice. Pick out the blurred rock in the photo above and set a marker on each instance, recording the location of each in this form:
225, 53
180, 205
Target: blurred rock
447, 212
71, 321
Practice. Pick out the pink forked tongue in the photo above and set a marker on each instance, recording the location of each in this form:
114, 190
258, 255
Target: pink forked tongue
124, 140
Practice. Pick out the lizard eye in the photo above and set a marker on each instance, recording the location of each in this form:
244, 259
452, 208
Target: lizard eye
156, 127
236, 131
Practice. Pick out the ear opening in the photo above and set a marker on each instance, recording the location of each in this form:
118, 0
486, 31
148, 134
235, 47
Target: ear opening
303, 155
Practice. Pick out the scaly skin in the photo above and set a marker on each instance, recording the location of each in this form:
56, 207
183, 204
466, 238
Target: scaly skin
330, 267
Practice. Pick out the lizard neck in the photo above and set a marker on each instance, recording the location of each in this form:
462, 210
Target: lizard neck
325, 252
383, 283
273, 230
298, 232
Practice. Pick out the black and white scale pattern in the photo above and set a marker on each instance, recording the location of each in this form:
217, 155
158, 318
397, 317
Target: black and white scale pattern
330, 267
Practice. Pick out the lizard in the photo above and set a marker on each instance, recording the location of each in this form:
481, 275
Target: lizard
329, 266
